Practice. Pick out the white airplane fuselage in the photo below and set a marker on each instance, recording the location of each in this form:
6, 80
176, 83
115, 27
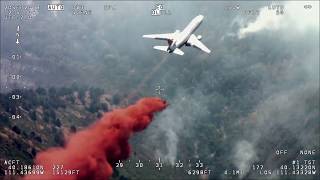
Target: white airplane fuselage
178, 39
183, 36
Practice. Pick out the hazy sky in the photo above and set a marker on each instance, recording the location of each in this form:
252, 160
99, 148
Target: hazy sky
275, 58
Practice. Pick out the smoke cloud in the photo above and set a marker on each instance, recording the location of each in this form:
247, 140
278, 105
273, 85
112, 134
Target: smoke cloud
295, 16
244, 155
185, 109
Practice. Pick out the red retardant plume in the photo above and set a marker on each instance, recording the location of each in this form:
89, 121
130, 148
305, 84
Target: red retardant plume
92, 151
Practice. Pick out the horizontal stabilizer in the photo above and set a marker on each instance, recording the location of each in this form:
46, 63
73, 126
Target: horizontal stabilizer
161, 48
178, 51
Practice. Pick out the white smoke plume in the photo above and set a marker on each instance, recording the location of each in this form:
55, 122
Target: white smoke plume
244, 156
296, 17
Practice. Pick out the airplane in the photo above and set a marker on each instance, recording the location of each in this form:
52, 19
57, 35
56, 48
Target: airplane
178, 39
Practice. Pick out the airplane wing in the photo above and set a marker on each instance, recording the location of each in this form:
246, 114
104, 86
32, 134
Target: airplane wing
167, 36
193, 41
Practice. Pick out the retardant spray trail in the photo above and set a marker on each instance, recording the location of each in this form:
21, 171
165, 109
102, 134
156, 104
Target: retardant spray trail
91, 152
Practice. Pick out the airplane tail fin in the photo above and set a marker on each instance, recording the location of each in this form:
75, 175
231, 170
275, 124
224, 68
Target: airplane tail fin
165, 48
